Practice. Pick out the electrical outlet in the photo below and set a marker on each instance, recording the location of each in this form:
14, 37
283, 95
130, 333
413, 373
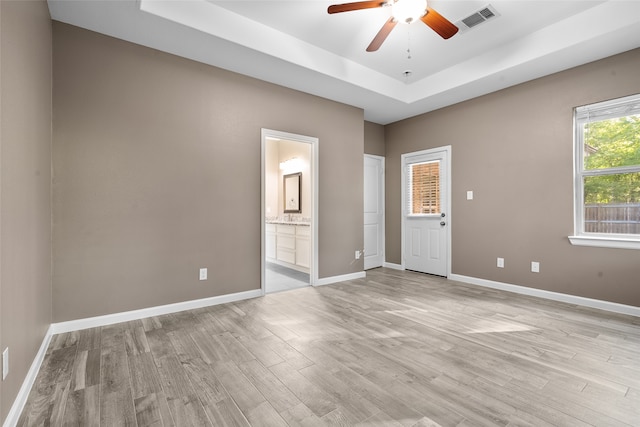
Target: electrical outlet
5, 363
358, 254
500, 262
535, 267
469, 195
203, 274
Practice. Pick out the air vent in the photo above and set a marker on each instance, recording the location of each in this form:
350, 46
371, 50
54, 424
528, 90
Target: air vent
476, 18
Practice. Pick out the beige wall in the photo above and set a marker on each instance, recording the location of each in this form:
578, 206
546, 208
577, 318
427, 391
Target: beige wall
514, 149
374, 139
25, 184
157, 173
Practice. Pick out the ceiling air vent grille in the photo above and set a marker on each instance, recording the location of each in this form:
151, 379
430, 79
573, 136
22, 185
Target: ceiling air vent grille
486, 13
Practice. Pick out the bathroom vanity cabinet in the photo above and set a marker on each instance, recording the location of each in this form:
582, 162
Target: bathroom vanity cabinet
289, 245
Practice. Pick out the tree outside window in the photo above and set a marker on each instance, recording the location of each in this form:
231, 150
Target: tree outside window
608, 168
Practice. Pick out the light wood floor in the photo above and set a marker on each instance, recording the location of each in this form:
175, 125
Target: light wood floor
394, 349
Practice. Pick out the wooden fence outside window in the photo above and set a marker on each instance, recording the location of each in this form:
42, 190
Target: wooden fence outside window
612, 219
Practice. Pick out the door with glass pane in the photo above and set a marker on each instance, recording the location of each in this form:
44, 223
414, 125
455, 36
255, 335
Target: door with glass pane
426, 211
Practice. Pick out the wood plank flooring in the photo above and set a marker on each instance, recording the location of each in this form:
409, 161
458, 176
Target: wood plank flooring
394, 349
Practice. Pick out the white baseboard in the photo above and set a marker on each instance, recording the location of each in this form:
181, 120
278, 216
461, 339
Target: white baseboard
109, 319
393, 266
555, 296
21, 399
341, 278
74, 325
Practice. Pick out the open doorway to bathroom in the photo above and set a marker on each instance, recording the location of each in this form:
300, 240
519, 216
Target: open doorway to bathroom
289, 211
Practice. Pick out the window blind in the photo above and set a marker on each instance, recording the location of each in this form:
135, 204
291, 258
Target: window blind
423, 188
607, 110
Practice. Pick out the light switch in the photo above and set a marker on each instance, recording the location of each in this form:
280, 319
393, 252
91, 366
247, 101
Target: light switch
469, 195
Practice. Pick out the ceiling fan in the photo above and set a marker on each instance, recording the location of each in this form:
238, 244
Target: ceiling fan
402, 11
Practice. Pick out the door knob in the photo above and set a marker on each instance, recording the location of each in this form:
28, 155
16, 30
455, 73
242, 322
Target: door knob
443, 223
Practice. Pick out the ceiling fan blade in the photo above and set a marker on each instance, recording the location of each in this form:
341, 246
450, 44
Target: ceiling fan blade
382, 35
347, 7
439, 24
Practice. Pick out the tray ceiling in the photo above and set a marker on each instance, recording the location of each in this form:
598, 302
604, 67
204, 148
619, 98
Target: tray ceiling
297, 44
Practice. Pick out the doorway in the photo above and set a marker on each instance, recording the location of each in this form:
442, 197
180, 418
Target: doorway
289, 211
373, 211
426, 211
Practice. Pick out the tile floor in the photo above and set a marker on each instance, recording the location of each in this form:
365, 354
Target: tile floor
279, 278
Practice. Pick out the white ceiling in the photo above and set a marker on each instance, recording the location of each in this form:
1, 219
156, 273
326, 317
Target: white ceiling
297, 44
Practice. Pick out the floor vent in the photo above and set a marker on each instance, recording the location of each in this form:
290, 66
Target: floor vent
476, 18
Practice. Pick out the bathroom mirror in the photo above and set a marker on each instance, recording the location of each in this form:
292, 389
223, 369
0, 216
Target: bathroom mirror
292, 185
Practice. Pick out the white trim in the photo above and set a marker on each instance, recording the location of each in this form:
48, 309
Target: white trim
315, 219
555, 296
263, 220
393, 266
110, 319
21, 399
582, 116
341, 278
605, 242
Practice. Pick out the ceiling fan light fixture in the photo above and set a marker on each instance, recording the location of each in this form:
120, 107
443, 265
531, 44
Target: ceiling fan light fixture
409, 10
406, 11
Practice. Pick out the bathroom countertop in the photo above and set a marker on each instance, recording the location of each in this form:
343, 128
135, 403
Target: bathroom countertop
279, 221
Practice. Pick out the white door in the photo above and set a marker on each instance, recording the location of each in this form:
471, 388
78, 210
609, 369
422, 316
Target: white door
373, 211
426, 212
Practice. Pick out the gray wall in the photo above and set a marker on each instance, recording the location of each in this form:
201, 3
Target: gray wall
157, 173
25, 187
374, 139
514, 149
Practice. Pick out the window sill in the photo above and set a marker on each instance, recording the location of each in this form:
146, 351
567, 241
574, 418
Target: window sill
605, 242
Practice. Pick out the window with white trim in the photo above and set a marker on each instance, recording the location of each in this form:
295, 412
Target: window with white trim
607, 174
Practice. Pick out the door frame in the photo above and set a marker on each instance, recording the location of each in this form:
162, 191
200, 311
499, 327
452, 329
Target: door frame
403, 159
384, 205
266, 134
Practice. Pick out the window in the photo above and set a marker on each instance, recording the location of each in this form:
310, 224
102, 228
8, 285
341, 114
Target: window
424, 188
607, 174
